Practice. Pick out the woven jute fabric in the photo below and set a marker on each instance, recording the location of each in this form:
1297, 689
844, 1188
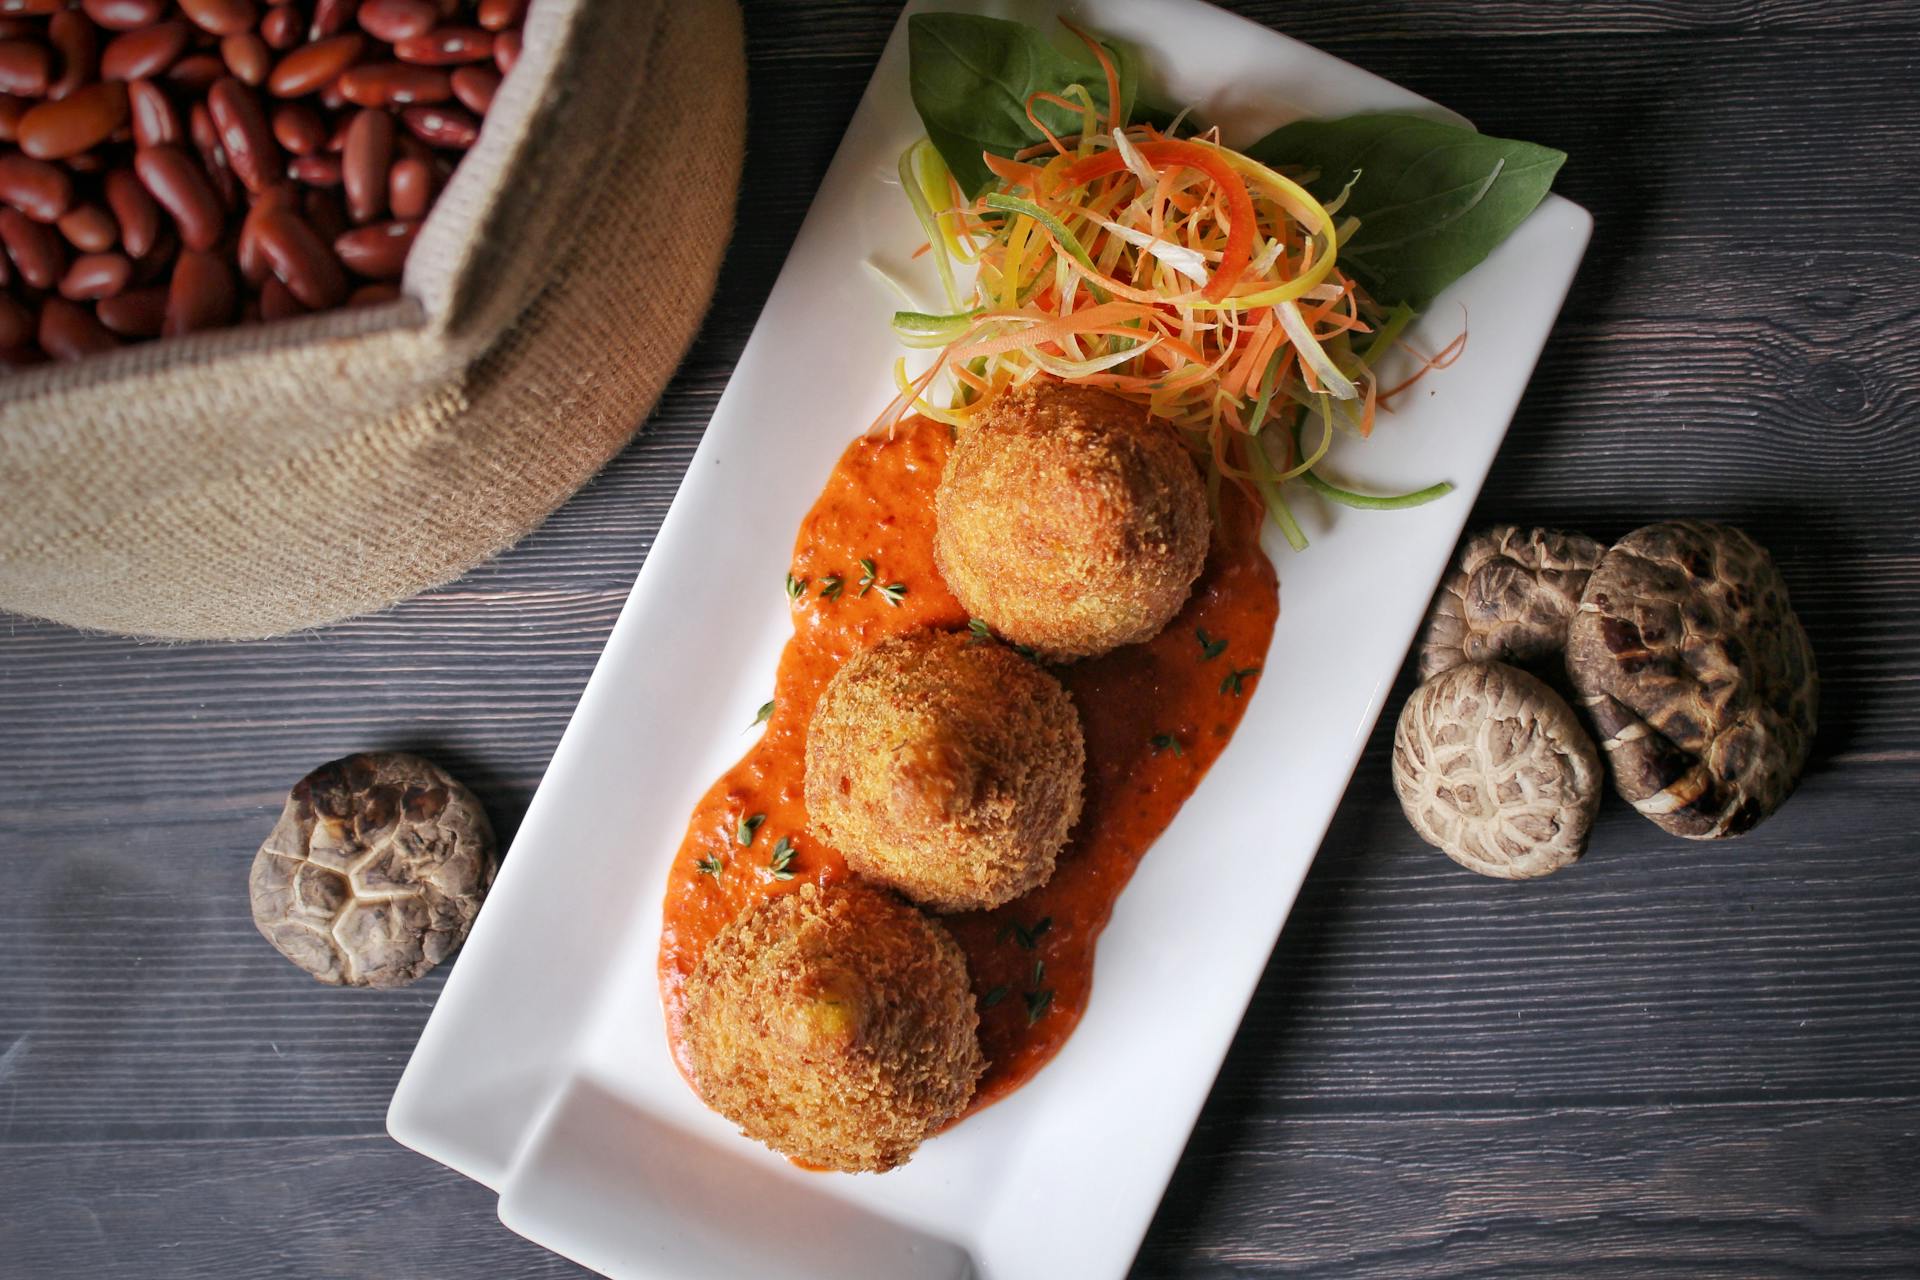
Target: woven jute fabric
259, 480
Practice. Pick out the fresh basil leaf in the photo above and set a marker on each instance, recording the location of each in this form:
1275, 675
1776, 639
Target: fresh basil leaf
1433, 199
971, 77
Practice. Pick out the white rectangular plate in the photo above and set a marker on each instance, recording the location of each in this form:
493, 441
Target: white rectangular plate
544, 1071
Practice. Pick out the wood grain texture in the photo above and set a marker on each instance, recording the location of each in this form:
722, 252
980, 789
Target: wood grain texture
1672, 1059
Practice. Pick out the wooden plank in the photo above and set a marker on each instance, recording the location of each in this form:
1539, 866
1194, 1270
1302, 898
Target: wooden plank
1671, 1059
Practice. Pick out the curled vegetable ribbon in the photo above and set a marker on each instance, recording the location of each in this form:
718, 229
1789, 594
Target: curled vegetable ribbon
1238, 251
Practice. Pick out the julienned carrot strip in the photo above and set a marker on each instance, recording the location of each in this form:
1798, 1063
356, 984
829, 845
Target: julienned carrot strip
1439, 360
1104, 315
1238, 250
1106, 65
1017, 172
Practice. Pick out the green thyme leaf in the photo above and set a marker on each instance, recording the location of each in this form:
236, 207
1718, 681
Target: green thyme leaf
796, 587
781, 860
1210, 648
1028, 938
830, 587
710, 866
993, 997
868, 571
893, 593
1236, 679
1037, 1004
748, 826
763, 714
1166, 742
977, 631
1039, 972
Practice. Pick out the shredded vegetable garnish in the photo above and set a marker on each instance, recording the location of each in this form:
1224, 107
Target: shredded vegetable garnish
1174, 272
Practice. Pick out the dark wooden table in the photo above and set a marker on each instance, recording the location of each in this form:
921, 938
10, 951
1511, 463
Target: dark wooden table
1674, 1059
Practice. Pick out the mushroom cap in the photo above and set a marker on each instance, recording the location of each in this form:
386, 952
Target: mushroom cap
1492, 767
375, 871
1697, 675
1509, 597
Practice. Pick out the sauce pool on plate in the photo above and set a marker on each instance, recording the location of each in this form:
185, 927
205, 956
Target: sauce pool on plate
1155, 717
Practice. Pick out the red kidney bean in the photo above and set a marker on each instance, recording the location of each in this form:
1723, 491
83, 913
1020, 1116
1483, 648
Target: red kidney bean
247, 56
299, 128
74, 39
337, 139
372, 295
300, 259
280, 28
17, 324
498, 15
325, 212
113, 111
181, 186
38, 254
90, 228
26, 68
68, 331
41, 191
330, 18
446, 46
393, 20
86, 118
155, 122
311, 66
125, 15
197, 71
253, 264
201, 295
93, 276
364, 164
244, 134
221, 17
213, 156
315, 171
277, 302
394, 84
377, 252
137, 213
475, 87
410, 187
140, 55
441, 126
137, 313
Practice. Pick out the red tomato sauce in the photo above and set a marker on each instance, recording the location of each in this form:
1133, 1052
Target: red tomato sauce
1155, 715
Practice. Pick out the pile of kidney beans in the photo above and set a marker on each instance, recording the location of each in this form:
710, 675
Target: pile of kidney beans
168, 166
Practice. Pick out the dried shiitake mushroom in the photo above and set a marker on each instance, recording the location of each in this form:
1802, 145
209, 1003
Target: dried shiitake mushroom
374, 872
1492, 767
1508, 598
1697, 676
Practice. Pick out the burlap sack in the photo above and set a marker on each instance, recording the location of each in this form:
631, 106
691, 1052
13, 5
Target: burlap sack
254, 481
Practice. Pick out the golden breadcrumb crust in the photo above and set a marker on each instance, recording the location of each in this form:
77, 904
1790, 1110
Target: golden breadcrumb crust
1068, 521
947, 767
835, 1025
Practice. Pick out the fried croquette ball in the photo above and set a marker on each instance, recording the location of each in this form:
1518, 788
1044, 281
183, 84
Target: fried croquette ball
1070, 522
835, 1025
946, 767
